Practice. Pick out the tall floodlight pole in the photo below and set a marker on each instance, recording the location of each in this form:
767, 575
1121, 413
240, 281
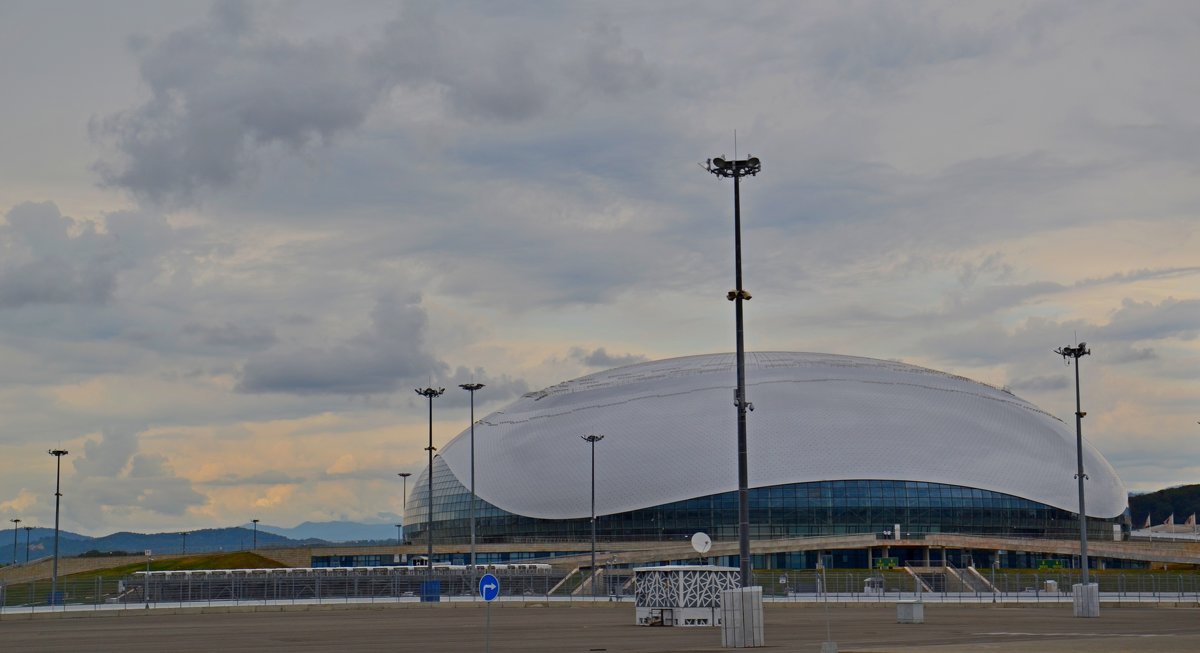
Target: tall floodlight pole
255, 522
737, 169
27, 529
16, 529
1076, 352
58, 454
184, 534
471, 388
592, 440
404, 499
430, 394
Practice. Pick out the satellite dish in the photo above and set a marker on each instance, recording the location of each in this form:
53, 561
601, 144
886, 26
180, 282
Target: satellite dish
701, 542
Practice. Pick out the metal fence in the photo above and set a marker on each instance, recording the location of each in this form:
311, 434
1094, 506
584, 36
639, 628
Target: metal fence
168, 589
938, 584
364, 584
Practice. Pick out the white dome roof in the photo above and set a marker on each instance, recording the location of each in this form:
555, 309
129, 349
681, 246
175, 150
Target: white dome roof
670, 433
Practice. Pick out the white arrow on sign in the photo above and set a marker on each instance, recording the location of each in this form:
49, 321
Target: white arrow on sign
489, 586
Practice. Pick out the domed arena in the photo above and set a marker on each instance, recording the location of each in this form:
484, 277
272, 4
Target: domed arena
838, 445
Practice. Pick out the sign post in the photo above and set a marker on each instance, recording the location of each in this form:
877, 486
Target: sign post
489, 589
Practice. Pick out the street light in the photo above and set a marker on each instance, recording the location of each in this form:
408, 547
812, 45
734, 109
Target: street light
27, 529
471, 388
1076, 352
15, 529
255, 546
592, 440
737, 169
58, 454
430, 394
404, 507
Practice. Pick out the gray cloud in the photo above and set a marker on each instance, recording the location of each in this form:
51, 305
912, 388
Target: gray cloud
1149, 321
218, 91
1040, 383
496, 387
375, 361
598, 357
49, 258
269, 477
606, 64
882, 45
113, 477
227, 89
1124, 353
231, 335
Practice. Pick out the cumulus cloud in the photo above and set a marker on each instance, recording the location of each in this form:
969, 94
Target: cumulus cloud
497, 387
391, 350
219, 90
224, 90
49, 258
112, 475
599, 357
1147, 320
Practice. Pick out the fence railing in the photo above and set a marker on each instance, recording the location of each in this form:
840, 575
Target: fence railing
778, 586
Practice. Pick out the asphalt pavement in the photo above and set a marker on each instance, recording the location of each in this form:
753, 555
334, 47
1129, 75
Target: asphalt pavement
561, 629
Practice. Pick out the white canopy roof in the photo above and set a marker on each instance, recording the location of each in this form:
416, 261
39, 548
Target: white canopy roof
670, 433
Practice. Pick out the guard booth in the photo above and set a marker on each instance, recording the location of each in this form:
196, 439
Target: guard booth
873, 586
682, 595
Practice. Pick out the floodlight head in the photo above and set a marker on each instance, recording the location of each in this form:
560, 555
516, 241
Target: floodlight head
58, 452
471, 387
404, 474
592, 438
430, 393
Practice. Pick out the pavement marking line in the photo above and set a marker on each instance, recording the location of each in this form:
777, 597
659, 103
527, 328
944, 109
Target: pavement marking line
1017, 634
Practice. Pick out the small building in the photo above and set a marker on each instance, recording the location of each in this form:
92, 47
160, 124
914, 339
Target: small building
682, 595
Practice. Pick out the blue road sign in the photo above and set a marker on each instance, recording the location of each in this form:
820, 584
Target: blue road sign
489, 587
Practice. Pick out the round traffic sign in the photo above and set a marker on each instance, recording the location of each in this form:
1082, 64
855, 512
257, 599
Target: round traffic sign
489, 587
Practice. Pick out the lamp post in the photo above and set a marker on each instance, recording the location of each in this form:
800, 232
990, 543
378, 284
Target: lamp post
15, 529
27, 529
1076, 353
737, 169
255, 540
471, 388
592, 440
430, 394
404, 508
58, 454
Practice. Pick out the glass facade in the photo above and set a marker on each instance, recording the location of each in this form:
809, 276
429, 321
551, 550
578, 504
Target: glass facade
791, 510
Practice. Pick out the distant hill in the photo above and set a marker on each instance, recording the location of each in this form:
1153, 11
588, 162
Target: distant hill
336, 531
207, 540
1182, 501
41, 542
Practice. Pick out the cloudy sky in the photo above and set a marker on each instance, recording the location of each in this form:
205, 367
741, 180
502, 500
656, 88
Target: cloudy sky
234, 237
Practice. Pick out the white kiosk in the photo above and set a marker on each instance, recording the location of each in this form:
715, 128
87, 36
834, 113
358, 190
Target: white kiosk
682, 595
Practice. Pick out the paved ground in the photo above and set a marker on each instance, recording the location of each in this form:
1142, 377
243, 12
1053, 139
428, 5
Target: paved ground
593, 629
